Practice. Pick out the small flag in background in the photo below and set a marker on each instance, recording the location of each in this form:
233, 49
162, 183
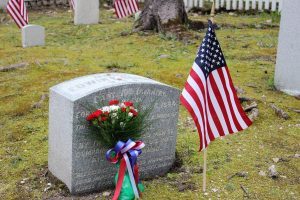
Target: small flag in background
124, 8
72, 4
209, 94
17, 10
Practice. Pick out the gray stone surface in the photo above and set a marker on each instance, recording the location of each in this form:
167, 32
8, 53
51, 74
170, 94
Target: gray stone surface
79, 161
86, 12
287, 72
33, 35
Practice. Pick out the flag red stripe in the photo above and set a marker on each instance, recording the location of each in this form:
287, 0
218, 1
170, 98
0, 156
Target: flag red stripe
218, 96
16, 14
192, 113
237, 102
136, 7
17, 10
195, 97
215, 117
129, 6
14, 17
236, 123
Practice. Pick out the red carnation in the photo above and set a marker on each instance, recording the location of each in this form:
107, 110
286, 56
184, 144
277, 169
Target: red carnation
90, 117
128, 103
106, 113
103, 118
134, 112
123, 109
114, 102
97, 113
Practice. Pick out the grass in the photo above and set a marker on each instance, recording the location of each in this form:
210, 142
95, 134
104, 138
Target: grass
73, 51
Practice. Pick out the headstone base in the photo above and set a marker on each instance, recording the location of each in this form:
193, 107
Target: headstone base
33, 35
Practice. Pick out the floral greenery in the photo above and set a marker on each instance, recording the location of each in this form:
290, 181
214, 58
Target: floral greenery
118, 122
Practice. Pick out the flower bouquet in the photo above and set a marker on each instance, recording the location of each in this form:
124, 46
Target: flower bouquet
119, 126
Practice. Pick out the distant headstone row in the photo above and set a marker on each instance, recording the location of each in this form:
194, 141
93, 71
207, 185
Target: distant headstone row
78, 160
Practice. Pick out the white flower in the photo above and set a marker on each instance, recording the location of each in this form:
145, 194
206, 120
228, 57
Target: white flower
114, 115
130, 114
106, 109
114, 108
122, 124
123, 105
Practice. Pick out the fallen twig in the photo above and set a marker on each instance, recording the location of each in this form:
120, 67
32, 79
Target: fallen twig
250, 107
279, 112
245, 191
13, 67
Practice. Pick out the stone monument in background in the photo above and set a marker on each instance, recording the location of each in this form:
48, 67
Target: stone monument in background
86, 12
33, 35
287, 72
78, 160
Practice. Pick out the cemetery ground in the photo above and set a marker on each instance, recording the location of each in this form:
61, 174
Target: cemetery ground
238, 165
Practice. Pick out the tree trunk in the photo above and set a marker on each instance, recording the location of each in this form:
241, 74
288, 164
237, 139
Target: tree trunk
160, 15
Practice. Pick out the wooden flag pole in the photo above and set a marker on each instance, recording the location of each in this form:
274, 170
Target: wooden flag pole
212, 15
204, 169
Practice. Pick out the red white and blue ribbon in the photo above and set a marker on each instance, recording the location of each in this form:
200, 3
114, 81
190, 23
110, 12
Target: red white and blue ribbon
127, 154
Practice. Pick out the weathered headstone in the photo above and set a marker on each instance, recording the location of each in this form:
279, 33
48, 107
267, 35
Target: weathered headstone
287, 72
79, 161
33, 35
86, 12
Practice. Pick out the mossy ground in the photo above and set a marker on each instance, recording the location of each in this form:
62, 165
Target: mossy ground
73, 51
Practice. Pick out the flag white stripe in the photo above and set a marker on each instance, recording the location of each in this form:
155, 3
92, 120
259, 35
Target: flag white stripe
220, 85
17, 15
199, 72
128, 6
216, 106
195, 108
14, 16
135, 5
124, 8
211, 123
234, 106
199, 94
123, 13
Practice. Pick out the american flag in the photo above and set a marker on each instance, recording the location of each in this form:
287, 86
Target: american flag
17, 10
72, 4
209, 94
124, 8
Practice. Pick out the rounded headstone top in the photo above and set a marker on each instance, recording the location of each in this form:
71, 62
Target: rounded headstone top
79, 87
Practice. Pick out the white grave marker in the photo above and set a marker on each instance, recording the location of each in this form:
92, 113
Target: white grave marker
287, 72
33, 35
86, 12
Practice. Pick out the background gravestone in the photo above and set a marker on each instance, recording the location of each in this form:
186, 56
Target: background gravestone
86, 12
287, 72
33, 35
79, 161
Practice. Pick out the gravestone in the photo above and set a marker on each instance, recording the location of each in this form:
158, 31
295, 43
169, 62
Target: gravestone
33, 35
287, 72
86, 12
80, 162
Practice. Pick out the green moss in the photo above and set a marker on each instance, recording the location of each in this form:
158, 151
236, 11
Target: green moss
73, 51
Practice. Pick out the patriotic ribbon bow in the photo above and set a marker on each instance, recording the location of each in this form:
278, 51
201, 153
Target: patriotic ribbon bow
127, 153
